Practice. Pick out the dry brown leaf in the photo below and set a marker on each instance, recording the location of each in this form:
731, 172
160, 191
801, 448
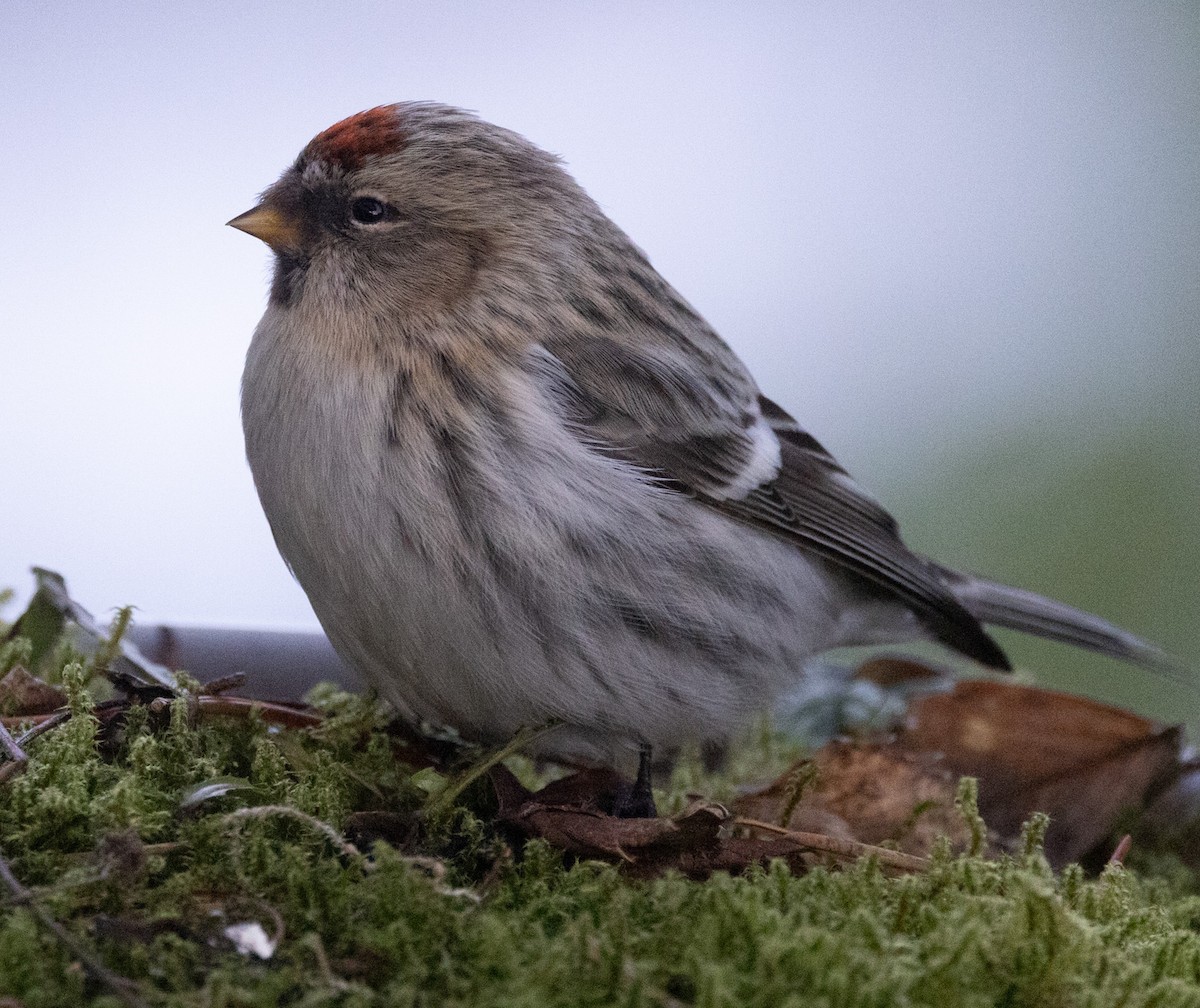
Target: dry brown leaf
873, 793
569, 814
1081, 762
22, 693
893, 671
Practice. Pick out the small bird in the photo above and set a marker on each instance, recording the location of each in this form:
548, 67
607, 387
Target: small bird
522, 480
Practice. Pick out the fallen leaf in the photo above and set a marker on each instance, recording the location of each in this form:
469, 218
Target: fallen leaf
1081, 762
52, 613
873, 793
22, 693
216, 787
893, 671
568, 814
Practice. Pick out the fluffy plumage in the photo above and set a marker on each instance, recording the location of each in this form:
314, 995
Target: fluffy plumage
519, 477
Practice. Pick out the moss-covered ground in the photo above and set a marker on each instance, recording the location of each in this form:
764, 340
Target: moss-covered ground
126, 870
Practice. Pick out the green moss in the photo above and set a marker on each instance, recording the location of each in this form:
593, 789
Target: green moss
97, 828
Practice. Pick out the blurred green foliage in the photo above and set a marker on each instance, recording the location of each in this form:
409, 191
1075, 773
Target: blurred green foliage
1103, 516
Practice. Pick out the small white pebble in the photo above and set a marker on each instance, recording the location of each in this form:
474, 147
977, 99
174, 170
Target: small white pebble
251, 938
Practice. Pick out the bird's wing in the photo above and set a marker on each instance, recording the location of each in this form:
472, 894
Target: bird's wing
700, 424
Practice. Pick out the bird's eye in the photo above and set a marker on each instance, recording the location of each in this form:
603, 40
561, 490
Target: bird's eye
369, 210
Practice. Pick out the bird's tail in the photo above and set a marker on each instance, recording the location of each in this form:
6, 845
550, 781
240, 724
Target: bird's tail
1031, 613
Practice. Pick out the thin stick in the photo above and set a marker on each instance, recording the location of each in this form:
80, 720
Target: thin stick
16, 755
53, 721
214, 687
1122, 851
272, 713
852, 849
15, 752
243, 707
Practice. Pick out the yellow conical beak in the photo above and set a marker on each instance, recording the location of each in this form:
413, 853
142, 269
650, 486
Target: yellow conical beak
277, 228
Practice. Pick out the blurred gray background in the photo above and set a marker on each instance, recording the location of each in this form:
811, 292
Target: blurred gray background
961, 242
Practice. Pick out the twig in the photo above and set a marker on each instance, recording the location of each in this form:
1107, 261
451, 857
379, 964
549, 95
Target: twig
15, 752
244, 707
851, 849
227, 682
123, 988
272, 713
1122, 850
48, 721
16, 755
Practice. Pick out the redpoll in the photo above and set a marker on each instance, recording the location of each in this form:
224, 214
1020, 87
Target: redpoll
521, 479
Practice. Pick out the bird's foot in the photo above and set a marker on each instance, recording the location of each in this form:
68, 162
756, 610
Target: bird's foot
636, 801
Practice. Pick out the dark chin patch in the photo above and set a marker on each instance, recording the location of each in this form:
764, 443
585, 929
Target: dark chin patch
290, 271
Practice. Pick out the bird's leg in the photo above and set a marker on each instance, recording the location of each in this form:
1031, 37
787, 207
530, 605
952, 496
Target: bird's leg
637, 801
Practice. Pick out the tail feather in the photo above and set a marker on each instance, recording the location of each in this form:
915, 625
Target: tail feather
1031, 613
